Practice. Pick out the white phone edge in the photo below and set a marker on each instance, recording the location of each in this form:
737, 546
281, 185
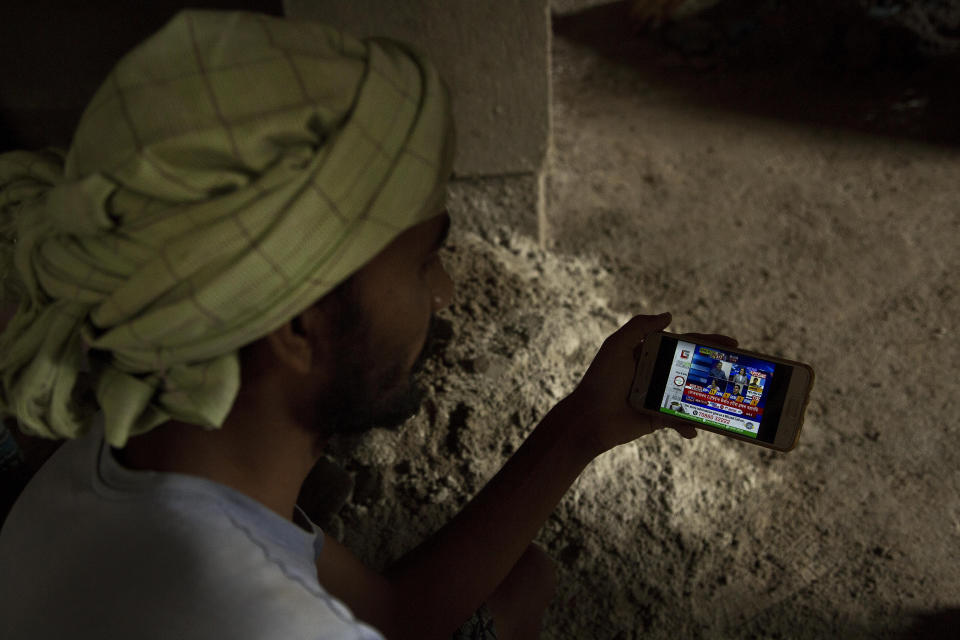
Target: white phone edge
795, 401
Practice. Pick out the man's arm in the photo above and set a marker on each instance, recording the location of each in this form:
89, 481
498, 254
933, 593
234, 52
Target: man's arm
433, 589
368, 594
446, 578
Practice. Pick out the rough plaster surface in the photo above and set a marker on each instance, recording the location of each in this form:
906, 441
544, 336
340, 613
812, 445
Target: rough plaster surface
801, 240
495, 202
494, 56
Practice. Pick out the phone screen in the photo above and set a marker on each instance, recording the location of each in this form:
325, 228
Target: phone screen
719, 387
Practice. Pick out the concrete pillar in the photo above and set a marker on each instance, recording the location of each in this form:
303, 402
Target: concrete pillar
495, 56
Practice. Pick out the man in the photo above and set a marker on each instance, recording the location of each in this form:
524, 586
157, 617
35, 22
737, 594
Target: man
717, 374
236, 262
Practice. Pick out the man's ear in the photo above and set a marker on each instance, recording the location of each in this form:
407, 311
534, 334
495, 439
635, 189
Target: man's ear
300, 344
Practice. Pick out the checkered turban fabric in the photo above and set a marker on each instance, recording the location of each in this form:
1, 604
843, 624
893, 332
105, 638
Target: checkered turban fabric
231, 170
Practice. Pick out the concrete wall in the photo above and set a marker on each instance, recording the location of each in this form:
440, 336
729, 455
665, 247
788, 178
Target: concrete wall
494, 56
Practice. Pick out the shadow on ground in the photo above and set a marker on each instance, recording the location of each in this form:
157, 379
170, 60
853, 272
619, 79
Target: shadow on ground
820, 62
934, 625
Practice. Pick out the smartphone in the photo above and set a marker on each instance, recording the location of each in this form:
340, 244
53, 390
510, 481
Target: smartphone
742, 394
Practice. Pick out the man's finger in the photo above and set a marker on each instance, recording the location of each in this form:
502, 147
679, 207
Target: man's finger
687, 432
639, 327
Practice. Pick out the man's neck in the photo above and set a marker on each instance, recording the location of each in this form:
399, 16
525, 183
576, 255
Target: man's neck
269, 472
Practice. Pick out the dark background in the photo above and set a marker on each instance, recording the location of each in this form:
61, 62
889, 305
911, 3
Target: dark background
56, 53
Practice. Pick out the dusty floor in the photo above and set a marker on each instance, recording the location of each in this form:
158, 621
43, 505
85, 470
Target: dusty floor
802, 239
754, 200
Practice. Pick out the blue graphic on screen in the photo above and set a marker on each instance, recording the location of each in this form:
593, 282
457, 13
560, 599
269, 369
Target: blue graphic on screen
717, 387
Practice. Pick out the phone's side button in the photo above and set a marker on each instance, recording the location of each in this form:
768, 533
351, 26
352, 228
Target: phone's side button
793, 407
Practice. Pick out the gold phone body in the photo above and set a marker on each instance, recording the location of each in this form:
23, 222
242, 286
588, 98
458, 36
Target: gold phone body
794, 403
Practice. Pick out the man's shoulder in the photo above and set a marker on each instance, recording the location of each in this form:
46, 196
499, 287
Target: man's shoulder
184, 563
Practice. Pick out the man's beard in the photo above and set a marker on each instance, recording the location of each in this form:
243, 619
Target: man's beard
356, 401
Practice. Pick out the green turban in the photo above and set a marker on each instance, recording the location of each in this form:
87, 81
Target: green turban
230, 171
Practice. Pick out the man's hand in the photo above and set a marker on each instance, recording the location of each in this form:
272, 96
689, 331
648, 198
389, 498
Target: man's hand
599, 403
436, 586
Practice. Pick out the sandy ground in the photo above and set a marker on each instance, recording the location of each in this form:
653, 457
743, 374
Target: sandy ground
798, 236
758, 200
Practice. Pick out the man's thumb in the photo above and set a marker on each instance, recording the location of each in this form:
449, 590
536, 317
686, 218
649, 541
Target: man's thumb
639, 327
